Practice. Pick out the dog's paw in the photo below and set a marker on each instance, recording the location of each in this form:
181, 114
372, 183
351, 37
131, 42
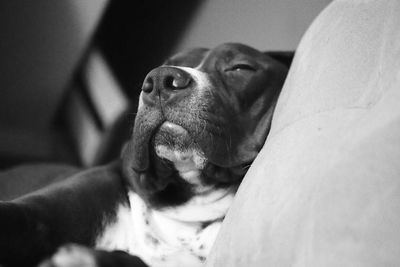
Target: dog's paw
71, 256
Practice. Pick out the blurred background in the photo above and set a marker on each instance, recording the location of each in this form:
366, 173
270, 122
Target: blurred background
71, 70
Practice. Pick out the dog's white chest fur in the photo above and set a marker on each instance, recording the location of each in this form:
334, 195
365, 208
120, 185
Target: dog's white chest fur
180, 236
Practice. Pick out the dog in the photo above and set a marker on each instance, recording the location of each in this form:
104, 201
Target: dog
202, 118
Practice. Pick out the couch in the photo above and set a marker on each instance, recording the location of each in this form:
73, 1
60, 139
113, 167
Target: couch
325, 189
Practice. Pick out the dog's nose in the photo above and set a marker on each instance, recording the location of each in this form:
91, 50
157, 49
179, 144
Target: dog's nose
166, 80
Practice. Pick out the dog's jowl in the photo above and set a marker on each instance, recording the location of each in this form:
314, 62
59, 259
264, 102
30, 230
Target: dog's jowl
203, 117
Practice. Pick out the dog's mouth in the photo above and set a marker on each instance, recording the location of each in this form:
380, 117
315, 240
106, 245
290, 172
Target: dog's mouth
168, 159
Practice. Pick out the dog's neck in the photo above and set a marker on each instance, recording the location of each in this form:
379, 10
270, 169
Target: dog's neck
191, 227
156, 234
208, 203
204, 207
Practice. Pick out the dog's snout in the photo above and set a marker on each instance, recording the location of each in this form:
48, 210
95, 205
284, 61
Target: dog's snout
164, 79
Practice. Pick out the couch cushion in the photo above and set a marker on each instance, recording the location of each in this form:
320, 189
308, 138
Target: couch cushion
325, 189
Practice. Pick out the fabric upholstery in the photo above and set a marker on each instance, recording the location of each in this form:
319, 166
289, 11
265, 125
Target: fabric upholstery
325, 189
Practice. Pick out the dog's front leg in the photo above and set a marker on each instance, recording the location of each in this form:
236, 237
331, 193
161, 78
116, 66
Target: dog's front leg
73, 211
23, 239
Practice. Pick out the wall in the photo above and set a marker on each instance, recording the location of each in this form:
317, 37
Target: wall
41, 42
264, 24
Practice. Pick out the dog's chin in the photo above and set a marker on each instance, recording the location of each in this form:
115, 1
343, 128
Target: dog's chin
174, 143
173, 137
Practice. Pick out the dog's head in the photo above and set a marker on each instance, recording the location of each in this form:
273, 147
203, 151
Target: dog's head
203, 117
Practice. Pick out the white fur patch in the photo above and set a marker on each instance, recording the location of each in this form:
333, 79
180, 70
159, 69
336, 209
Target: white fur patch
181, 236
188, 163
71, 255
118, 233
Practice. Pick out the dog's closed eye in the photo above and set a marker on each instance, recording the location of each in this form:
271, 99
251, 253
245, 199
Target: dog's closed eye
241, 67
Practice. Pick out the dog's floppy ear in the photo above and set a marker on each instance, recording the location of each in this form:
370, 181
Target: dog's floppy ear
284, 57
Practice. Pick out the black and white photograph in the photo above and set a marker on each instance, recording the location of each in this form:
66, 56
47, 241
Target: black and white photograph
200, 133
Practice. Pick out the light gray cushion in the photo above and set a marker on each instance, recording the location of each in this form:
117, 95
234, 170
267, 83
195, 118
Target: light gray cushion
325, 189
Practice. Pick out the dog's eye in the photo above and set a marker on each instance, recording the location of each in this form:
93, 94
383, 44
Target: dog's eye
241, 67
